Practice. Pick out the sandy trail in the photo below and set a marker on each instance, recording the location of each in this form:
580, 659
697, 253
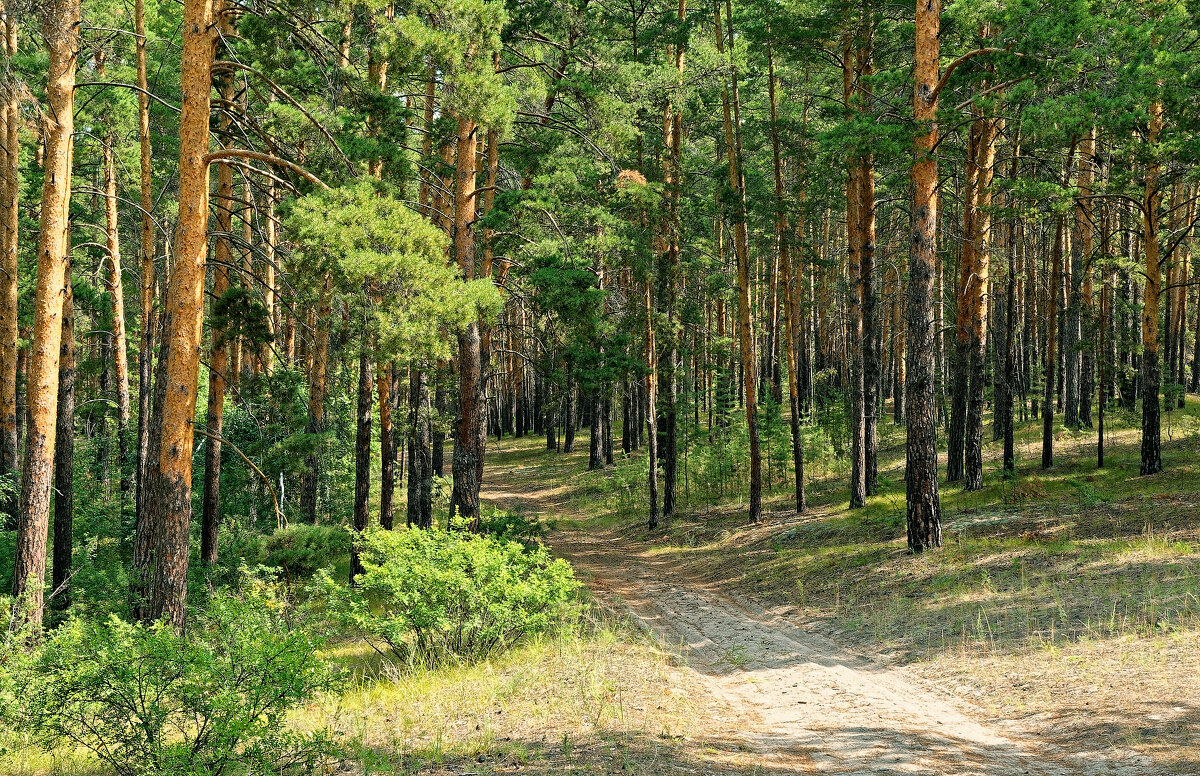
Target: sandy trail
819, 708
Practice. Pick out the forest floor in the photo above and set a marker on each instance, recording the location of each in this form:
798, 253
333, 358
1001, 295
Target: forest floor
1057, 632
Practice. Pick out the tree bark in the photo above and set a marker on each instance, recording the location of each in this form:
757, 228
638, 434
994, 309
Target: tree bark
792, 282
148, 280
218, 360
116, 288
318, 386
387, 448
169, 473
854, 286
1056, 252
1151, 462
60, 19
981, 223
64, 459
471, 434
10, 216
731, 106
924, 525
362, 456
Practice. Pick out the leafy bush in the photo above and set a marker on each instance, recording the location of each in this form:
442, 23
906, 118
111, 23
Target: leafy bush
146, 700
434, 595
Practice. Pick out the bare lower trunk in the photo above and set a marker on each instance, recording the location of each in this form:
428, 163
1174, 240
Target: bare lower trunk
59, 28
420, 467
64, 461
921, 485
362, 458
733, 146
472, 430
317, 387
387, 448
169, 471
116, 288
1151, 365
1051, 346
10, 216
978, 303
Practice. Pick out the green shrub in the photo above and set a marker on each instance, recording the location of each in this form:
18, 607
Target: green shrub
435, 595
146, 700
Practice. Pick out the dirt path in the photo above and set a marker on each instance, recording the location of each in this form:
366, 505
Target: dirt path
819, 707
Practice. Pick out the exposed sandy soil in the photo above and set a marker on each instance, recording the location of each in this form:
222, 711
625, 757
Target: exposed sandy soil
817, 706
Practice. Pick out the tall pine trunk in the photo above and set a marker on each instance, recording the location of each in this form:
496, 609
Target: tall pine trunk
169, 471
10, 217
64, 460
362, 455
148, 280
472, 430
60, 19
921, 485
731, 108
1151, 462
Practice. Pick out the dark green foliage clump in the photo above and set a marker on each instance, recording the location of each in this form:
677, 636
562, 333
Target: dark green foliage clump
300, 550
436, 596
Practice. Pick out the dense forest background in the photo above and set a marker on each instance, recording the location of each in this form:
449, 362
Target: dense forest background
277, 268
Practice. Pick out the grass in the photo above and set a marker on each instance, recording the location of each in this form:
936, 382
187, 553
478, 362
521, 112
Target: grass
599, 699
1071, 594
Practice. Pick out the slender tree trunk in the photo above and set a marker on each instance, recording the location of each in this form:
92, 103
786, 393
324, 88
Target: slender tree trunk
1052, 345
420, 473
169, 472
318, 380
472, 430
921, 485
981, 236
855, 170
866, 244
120, 348
362, 456
651, 393
387, 447
218, 359
60, 19
10, 216
596, 441
791, 280
1087, 316
1151, 375
733, 144
148, 281
64, 460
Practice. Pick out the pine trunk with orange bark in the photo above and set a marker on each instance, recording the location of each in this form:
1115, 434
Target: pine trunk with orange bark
921, 485
1151, 462
10, 218
60, 19
467, 466
169, 472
